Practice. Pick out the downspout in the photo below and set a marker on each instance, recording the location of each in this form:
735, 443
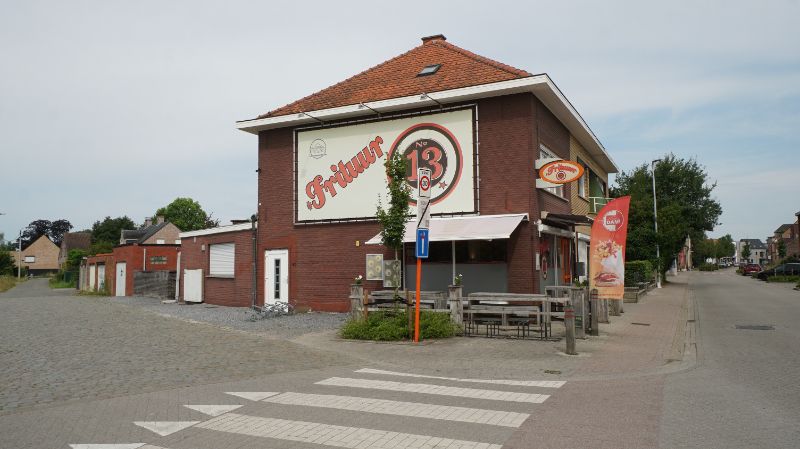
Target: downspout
253, 221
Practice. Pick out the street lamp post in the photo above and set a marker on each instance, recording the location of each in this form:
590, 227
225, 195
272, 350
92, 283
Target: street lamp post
655, 222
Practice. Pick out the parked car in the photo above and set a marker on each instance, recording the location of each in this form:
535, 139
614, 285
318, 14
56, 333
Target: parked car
751, 268
787, 269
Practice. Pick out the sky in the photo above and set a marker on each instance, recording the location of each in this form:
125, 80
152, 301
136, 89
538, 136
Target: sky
111, 108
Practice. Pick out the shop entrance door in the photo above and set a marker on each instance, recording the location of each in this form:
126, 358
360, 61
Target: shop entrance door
565, 261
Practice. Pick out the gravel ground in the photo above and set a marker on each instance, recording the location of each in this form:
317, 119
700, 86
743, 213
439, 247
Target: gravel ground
239, 317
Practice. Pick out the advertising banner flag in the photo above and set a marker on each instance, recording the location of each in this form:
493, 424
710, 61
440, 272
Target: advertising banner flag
607, 249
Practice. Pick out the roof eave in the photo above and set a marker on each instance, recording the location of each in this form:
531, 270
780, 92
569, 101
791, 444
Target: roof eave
540, 85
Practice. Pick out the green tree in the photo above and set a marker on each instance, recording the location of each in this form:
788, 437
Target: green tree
781, 249
74, 258
725, 246
746, 251
54, 230
187, 215
106, 233
7, 266
685, 207
393, 221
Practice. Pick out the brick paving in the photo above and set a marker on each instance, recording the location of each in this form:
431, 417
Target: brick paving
57, 347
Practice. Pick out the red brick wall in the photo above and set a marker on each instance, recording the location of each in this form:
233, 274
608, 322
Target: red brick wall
133, 256
108, 260
234, 292
323, 258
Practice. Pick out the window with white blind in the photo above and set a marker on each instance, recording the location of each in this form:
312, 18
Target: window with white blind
544, 152
221, 258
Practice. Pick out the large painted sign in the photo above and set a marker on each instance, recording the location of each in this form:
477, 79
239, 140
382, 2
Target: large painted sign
341, 176
607, 249
561, 172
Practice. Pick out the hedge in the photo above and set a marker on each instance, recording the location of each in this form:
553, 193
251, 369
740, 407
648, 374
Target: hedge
638, 271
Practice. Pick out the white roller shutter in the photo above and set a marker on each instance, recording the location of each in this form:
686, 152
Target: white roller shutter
221, 256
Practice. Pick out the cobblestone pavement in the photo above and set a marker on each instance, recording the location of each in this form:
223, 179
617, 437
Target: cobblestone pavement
57, 347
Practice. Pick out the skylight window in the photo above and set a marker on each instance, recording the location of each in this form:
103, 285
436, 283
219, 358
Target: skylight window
429, 70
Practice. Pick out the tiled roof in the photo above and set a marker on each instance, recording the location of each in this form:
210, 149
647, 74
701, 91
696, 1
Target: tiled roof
76, 240
754, 243
397, 77
783, 227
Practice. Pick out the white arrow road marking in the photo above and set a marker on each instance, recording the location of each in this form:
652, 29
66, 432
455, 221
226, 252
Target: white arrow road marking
165, 428
253, 395
519, 383
330, 435
213, 410
474, 393
398, 408
107, 446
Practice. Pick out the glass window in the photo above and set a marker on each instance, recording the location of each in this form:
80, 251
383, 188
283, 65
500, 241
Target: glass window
158, 260
583, 181
544, 152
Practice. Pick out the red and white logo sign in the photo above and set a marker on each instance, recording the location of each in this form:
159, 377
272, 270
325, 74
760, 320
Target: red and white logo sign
613, 220
431, 146
561, 172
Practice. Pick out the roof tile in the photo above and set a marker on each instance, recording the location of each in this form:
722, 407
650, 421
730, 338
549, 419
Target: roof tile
397, 77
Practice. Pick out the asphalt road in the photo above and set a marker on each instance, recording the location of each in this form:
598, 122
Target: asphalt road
744, 391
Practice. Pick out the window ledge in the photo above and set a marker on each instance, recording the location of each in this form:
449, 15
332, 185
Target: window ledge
218, 276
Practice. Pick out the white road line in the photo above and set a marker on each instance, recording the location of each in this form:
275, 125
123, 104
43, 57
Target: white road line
520, 383
107, 446
330, 435
412, 409
165, 428
252, 395
475, 393
213, 410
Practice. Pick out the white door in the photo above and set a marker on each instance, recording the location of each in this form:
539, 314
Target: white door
120, 282
92, 277
193, 285
101, 277
276, 276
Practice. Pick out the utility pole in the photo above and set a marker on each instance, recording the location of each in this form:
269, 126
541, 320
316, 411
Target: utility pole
655, 221
19, 255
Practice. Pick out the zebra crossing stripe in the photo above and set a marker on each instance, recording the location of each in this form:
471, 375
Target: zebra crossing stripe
108, 446
165, 428
411, 409
474, 393
331, 435
519, 383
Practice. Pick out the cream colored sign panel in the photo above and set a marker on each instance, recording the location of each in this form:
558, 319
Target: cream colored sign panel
340, 172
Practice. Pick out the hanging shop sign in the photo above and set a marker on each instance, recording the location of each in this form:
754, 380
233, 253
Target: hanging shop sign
607, 249
561, 172
341, 173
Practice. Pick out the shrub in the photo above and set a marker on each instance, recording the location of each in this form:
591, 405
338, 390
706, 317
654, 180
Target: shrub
6, 282
638, 271
708, 267
392, 325
783, 279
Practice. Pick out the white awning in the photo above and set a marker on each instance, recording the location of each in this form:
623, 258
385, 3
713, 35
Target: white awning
483, 227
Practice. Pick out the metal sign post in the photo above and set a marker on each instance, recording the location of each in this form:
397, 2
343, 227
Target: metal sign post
423, 236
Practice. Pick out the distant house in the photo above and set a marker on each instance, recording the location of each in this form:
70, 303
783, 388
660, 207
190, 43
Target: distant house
159, 233
758, 251
73, 240
40, 257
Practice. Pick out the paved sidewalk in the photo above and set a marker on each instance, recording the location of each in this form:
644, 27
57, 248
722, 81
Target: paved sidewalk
613, 398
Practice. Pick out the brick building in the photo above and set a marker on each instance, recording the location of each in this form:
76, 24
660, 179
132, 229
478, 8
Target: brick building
478, 124
224, 258
40, 257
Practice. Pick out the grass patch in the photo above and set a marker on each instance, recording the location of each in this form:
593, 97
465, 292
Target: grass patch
7, 282
392, 325
783, 279
59, 283
91, 293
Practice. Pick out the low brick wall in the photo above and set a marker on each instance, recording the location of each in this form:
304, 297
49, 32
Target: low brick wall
156, 284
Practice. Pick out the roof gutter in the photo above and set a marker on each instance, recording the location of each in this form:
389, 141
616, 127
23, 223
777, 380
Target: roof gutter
540, 85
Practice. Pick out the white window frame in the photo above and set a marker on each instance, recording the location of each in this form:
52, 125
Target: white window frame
545, 152
30, 259
583, 181
222, 259
160, 241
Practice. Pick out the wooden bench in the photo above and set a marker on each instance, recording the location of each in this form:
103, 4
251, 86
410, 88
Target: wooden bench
381, 299
508, 311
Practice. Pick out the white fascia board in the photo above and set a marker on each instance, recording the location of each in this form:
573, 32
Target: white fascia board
540, 85
217, 230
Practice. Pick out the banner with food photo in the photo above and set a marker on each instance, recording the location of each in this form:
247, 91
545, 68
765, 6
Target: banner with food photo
607, 264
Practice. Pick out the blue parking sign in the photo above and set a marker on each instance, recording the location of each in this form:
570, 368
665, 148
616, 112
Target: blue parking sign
423, 241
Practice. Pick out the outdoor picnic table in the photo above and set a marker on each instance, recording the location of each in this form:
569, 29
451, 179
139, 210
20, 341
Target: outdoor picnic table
503, 309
